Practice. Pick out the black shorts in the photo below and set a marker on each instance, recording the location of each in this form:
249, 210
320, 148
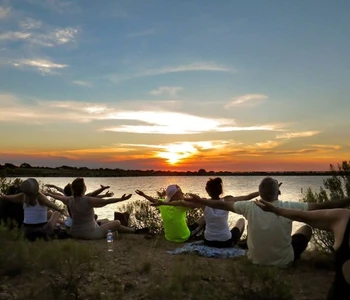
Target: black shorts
235, 236
299, 244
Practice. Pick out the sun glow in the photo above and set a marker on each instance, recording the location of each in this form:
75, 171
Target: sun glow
175, 153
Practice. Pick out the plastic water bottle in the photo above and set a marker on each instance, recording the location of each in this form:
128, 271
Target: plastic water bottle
110, 240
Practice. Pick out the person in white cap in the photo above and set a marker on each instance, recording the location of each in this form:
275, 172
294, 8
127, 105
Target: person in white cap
35, 205
174, 218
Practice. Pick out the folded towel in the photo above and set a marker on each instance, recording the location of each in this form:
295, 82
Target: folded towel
200, 249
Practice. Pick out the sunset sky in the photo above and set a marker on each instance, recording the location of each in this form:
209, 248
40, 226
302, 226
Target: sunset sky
175, 84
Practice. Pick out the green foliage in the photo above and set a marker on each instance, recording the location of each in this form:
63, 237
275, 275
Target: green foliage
335, 187
5, 184
253, 282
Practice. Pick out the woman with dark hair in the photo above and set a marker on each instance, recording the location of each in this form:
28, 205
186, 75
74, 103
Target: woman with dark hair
35, 204
334, 220
84, 225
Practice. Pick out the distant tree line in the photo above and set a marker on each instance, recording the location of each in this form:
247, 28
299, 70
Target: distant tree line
25, 169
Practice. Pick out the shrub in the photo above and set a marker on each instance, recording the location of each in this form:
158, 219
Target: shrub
335, 187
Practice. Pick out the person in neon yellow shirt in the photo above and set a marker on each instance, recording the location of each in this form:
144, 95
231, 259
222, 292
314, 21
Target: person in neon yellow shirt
174, 217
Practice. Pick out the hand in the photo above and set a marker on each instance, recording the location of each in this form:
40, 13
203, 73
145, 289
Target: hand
50, 185
104, 187
279, 191
126, 197
192, 197
138, 192
109, 194
266, 206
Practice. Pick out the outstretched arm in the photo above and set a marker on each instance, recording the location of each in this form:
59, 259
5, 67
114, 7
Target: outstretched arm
18, 198
98, 202
43, 200
241, 198
149, 198
59, 197
178, 203
98, 191
225, 205
330, 204
322, 219
55, 187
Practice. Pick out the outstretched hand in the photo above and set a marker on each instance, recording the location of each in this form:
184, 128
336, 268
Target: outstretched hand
109, 194
141, 193
126, 197
104, 187
192, 197
266, 206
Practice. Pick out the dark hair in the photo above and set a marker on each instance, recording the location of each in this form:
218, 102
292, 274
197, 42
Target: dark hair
78, 186
214, 187
68, 190
269, 189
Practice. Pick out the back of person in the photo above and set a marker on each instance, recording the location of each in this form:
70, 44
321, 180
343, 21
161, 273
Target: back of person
217, 228
269, 235
174, 222
82, 215
34, 214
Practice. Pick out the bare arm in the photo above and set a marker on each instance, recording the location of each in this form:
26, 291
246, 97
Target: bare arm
149, 198
98, 191
106, 195
322, 219
178, 203
225, 205
241, 198
43, 200
55, 187
59, 197
18, 198
98, 202
330, 204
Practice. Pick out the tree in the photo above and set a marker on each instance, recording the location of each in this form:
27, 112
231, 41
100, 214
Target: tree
25, 165
335, 187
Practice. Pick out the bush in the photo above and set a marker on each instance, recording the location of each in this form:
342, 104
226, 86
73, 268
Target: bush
334, 188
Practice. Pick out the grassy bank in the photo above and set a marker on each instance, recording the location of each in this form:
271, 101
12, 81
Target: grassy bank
142, 269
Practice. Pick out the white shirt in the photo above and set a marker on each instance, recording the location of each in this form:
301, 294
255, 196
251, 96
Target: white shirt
269, 235
36, 214
216, 224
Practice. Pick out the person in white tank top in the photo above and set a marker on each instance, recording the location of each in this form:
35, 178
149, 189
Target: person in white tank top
35, 204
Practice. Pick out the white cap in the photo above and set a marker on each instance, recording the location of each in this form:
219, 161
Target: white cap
171, 190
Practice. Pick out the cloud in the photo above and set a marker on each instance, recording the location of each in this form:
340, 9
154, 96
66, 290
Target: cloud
44, 37
327, 147
141, 33
4, 12
42, 65
166, 90
163, 122
82, 83
59, 6
249, 99
292, 135
194, 67
29, 24
14, 36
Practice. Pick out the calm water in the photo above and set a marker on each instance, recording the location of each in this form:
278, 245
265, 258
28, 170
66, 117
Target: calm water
292, 187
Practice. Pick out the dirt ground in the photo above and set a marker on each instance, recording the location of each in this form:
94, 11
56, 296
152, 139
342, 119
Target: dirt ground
140, 265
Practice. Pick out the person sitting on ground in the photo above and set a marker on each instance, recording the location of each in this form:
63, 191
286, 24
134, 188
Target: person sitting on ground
35, 205
217, 232
84, 225
67, 191
335, 220
175, 225
269, 237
